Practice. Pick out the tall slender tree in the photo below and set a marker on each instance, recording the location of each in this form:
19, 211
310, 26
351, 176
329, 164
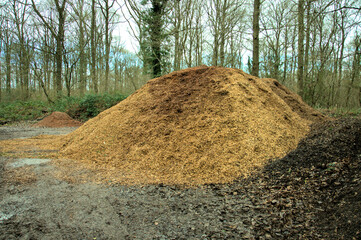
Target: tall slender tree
93, 47
20, 17
256, 16
300, 55
355, 72
8, 42
106, 7
1, 30
80, 17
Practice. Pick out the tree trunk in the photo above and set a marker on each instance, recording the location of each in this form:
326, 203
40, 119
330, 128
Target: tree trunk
177, 25
285, 56
301, 33
116, 75
308, 35
59, 61
25, 69
17, 76
93, 48
355, 74
255, 58
216, 40
221, 50
82, 65
8, 67
46, 61
199, 36
59, 47
39, 75
224, 31
0, 85
59, 37
343, 39
19, 16
107, 53
156, 33
107, 17
82, 59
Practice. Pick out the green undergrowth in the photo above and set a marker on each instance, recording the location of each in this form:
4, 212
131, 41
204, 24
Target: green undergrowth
80, 108
341, 112
22, 110
91, 105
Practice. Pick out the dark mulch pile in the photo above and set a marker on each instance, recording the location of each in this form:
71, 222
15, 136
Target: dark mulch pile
315, 191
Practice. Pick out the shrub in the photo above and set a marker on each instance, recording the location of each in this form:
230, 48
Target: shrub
91, 105
20, 110
79, 108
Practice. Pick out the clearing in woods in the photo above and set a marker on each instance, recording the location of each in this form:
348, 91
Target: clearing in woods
168, 162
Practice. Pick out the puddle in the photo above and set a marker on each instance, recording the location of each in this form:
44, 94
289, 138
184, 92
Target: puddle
28, 161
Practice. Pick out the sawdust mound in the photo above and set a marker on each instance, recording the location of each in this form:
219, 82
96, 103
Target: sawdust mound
294, 101
194, 126
58, 119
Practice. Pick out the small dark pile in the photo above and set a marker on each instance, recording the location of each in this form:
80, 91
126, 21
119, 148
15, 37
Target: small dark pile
315, 191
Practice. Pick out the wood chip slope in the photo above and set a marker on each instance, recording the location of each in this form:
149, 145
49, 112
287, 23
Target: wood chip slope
195, 126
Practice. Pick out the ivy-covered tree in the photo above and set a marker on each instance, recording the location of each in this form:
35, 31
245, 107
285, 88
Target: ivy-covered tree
154, 37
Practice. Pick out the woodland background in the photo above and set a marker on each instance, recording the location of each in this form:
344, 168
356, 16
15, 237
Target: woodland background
53, 49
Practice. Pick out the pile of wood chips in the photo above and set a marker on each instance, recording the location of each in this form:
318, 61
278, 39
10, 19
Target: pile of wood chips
196, 126
57, 120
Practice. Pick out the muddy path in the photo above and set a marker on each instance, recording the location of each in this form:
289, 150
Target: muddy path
42, 207
25, 131
312, 193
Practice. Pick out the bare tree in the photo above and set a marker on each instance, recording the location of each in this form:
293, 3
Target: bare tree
1, 36
58, 34
177, 23
80, 17
106, 7
300, 56
275, 23
137, 31
224, 18
355, 73
187, 32
20, 16
93, 47
8, 42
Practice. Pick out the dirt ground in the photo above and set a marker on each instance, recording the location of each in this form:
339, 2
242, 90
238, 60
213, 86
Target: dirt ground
312, 193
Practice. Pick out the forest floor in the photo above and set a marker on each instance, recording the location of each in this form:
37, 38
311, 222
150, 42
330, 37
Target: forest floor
312, 193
